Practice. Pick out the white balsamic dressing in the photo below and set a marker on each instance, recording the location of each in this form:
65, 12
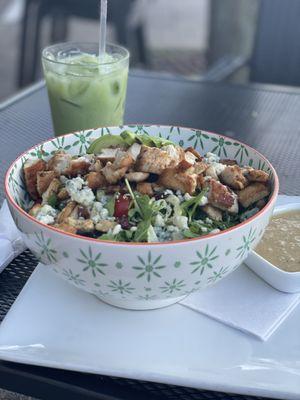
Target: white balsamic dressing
280, 244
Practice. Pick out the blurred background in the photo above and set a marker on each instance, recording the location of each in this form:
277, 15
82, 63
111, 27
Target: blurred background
241, 41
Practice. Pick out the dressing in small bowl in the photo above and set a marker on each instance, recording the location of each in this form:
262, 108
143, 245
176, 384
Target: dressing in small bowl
277, 256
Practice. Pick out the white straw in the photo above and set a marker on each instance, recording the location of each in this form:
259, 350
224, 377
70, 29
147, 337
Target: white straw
102, 32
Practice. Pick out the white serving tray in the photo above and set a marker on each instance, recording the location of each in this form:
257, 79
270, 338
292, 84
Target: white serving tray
54, 324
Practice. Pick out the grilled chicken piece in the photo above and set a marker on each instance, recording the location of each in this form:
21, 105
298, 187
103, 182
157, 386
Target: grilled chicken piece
137, 176
31, 169
79, 166
83, 225
134, 150
212, 212
221, 197
96, 166
228, 161
66, 228
113, 175
154, 160
96, 180
123, 159
211, 172
185, 181
53, 188
188, 161
71, 210
105, 225
59, 163
35, 209
44, 178
200, 181
233, 176
256, 175
115, 171
195, 152
63, 194
200, 167
107, 155
145, 188
252, 193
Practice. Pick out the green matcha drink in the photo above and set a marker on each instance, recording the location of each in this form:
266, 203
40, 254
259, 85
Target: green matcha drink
85, 90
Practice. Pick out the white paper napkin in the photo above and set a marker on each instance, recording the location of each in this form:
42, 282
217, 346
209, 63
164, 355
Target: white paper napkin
244, 301
11, 243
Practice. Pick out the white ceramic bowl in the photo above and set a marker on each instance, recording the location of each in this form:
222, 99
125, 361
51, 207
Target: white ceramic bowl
140, 276
282, 280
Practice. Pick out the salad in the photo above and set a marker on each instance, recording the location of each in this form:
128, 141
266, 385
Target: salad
139, 188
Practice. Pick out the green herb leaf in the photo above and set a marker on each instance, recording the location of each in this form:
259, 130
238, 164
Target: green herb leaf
141, 234
189, 234
189, 207
52, 201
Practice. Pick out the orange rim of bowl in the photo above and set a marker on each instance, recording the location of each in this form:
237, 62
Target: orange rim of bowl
146, 244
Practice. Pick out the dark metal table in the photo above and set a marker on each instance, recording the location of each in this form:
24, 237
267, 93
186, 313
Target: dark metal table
267, 119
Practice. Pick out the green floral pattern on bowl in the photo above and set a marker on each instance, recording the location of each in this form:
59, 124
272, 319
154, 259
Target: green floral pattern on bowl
142, 276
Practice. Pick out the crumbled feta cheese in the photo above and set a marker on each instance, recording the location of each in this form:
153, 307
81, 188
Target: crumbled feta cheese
46, 214
117, 229
215, 231
213, 160
75, 184
162, 234
159, 221
219, 168
172, 199
203, 201
175, 202
203, 229
152, 237
98, 212
187, 196
133, 228
168, 192
180, 221
84, 196
208, 220
210, 158
172, 228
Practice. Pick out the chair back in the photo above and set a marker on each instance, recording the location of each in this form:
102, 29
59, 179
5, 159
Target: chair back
276, 53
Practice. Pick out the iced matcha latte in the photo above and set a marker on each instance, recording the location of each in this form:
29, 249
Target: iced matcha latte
85, 91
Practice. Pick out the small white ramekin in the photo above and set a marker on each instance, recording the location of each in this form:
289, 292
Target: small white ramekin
284, 281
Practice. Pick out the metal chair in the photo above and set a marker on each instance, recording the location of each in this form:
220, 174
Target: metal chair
275, 58
59, 12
